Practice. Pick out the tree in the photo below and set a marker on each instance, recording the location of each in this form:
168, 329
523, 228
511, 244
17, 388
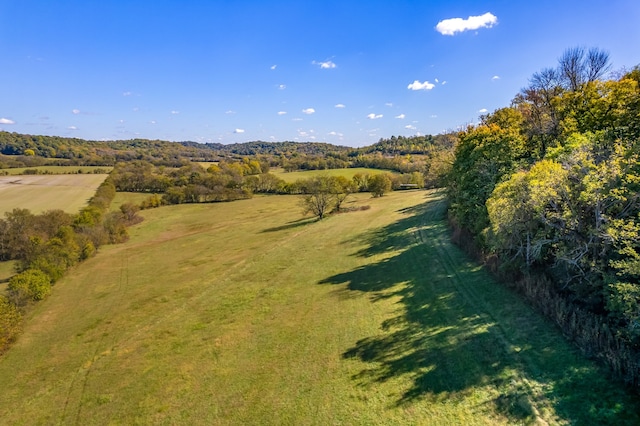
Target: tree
319, 198
484, 155
341, 188
379, 184
525, 210
577, 66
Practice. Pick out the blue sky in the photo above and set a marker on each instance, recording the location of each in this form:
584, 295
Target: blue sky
344, 72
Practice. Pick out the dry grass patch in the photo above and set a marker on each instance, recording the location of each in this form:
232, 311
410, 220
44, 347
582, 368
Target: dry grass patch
39, 193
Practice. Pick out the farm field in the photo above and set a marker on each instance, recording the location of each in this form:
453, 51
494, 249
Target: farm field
39, 193
348, 173
247, 313
57, 170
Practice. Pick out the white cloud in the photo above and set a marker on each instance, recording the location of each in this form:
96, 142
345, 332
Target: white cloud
325, 65
433, 116
373, 116
401, 116
126, 93
308, 111
273, 67
336, 134
75, 111
444, 82
72, 128
458, 25
6, 121
296, 119
230, 112
437, 81
175, 112
282, 86
389, 104
495, 77
340, 106
153, 122
410, 127
282, 112
416, 85
238, 131
483, 110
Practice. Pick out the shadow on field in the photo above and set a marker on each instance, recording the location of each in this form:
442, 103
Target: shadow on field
448, 338
290, 225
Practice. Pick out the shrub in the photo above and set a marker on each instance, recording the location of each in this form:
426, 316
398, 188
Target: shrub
9, 322
32, 284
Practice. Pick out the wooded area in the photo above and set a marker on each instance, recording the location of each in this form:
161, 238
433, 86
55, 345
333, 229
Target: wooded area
549, 190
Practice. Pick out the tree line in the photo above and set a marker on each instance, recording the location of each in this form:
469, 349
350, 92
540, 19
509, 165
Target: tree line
232, 180
45, 246
549, 190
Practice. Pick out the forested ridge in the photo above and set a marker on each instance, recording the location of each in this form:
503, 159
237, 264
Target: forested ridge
402, 154
548, 189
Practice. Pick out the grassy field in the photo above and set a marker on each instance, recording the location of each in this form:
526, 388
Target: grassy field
348, 173
129, 197
246, 313
39, 193
58, 170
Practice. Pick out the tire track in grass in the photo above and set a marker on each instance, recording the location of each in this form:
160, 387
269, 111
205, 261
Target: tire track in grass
434, 232
82, 375
78, 385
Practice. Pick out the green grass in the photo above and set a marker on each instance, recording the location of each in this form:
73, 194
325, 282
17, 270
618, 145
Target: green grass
39, 193
58, 170
128, 197
246, 313
348, 173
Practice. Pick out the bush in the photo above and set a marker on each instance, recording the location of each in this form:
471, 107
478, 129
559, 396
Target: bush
88, 250
151, 202
30, 285
9, 322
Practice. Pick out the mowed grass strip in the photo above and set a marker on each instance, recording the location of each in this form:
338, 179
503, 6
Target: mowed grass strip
246, 313
40, 193
349, 173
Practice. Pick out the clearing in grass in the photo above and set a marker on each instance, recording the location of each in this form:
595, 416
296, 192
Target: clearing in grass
246, 313
40, 193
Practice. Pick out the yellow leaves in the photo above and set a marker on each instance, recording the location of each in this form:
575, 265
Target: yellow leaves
548, 184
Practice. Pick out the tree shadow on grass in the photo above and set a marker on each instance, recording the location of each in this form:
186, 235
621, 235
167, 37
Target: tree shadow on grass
451, 335
290, 225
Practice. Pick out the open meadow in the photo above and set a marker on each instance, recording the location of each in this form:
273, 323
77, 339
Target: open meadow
38, 193
247, 313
